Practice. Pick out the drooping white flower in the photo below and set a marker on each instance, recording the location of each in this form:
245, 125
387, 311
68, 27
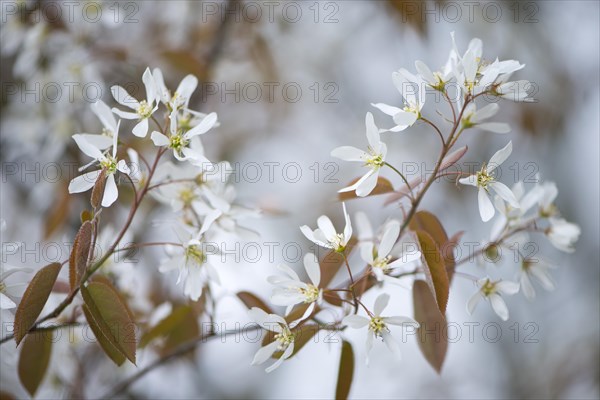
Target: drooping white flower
284, 338
485, 180
379, 257
412, 89
195, 270
108, 162
183, 142
538, 269
326, 235
221, 213
472, 117
290, 290
378, 325
491, 291
373, 158
563, 234
143, 110
181, 98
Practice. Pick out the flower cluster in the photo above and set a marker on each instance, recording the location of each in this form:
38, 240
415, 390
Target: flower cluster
195, 188
520, 214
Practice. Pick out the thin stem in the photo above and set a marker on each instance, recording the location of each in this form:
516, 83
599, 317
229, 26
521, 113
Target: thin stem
177, 352
170, 182
412, 195
351, 281
436, 129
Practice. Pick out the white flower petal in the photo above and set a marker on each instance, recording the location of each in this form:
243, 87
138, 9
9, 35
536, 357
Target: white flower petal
355, 321
349, 153
204, 126
505, 193
390, 236
495, 127
399, 320
473, 301
265, 352
111, 192
159, 139
88, 148
486, 208
312, 268
499, 157
381, 303
141, 128
469, 180
123, 98
84, 182
386, 109
499, 306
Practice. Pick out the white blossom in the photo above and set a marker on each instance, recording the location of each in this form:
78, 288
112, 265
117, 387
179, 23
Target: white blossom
412, 89
373, 158
326, 235
378, 325
539, 270
181, 97
107, 161
485, 180
380, 259
284, 338
290, 290
183, 142
563, 234
143, 110
195, 270
472, 117
491, 291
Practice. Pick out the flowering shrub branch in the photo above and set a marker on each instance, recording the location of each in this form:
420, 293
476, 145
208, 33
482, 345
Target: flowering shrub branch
199, 194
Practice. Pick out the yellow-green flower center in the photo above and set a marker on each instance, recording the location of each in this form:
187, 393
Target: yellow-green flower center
484, 178
375, 160
310, 293
382, 263
109, 164
377, 325
195, 255
144, 110
285, 338
187, 196
337, 243
488, 288
178, 142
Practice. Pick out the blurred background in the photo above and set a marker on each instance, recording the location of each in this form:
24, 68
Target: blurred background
290, 81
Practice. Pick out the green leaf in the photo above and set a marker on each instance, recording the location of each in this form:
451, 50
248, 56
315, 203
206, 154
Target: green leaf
250, 300
106, 310
427, 314
435, 270
80, 254
426, 221
114, 353
34, 360
346, 373
383, 186
34, 299
168, 325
